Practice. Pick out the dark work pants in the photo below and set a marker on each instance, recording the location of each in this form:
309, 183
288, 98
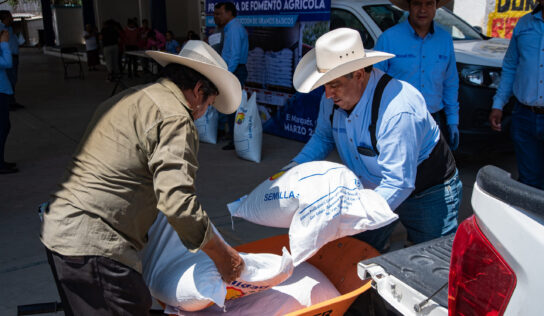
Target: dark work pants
95, 285
4, 124
13, 73
527, 132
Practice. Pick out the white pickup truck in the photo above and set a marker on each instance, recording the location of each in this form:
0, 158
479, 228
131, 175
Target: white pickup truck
494, 265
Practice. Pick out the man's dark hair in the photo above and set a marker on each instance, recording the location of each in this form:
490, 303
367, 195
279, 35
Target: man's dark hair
4, 14
537, 8
187, 78
229, 6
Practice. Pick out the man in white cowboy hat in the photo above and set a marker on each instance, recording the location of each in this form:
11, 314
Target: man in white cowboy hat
137, 157
426, 60
383, 132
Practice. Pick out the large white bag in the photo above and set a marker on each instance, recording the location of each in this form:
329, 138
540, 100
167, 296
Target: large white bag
190, 281
207, 126
306, 287
318, 201
248, 130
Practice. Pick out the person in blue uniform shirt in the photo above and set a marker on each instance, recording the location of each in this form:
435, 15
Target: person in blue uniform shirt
426, 60
399, 151
6, 21
5, 92
523, 77
233, 44
172, 46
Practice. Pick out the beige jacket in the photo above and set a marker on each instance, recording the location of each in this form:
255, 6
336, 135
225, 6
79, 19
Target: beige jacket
138, 156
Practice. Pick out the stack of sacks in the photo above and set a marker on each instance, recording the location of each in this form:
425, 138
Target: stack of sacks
188, 281
255, 66
279, 68
318, 201
306, 287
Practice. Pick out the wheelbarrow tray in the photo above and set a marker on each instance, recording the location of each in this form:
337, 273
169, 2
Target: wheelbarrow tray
337, 260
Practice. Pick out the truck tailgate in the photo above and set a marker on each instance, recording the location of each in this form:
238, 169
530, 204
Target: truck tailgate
424, 267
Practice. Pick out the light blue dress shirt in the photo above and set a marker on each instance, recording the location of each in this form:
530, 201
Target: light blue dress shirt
235, 44
523, 64
171, 46
406, 135
13, 39
5, 63
426, 63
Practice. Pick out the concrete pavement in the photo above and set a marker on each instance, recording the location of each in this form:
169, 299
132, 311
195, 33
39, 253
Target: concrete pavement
45, 133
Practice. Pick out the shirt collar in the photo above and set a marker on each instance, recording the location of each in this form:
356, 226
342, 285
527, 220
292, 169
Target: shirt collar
538, 14
228, 25
361, 106
538, 9
431, 30
177, 93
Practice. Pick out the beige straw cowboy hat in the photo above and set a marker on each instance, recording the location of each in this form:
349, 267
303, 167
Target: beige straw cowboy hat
336, 53
405, 5
204, 59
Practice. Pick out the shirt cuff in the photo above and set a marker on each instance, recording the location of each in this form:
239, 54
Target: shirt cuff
207, 237
452, 119
497, 105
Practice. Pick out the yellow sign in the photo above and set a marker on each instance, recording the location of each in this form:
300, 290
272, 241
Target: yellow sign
502, 21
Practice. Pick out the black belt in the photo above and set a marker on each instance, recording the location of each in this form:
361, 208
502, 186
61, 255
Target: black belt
534, 109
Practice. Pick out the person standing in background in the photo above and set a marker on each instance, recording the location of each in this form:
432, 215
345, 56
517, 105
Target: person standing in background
6, 23
234, 46
91, 46
155, 40
5, 92
426, 60
523, 77
142, 42
132, 36
110, 42
172, 46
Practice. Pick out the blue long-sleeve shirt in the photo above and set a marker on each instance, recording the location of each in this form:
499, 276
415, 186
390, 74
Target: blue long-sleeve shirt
426, 63
172, 46
13, 39
5, 63
405, 131
235, 44
523, 65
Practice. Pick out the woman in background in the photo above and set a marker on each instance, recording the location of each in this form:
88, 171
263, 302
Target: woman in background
5, 92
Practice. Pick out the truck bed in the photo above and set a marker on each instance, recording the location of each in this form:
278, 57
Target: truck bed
424, 267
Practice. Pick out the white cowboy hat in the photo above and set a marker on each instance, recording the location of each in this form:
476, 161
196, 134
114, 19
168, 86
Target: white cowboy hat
204, 59
405, 5
336, 53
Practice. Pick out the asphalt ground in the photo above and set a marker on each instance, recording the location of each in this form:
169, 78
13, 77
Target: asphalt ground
44, 135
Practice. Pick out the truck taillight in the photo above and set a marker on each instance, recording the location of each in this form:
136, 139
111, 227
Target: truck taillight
480, 281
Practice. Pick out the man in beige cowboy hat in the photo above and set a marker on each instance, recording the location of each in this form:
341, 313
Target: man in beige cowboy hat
137, 157
426, 60
383, 132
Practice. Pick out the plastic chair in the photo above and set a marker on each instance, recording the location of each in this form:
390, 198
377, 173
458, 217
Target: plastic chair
70, 56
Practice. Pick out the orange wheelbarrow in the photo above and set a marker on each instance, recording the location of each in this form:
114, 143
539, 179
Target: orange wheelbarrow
337, 260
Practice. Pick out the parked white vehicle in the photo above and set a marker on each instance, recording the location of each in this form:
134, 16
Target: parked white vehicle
479, 62
496, 258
